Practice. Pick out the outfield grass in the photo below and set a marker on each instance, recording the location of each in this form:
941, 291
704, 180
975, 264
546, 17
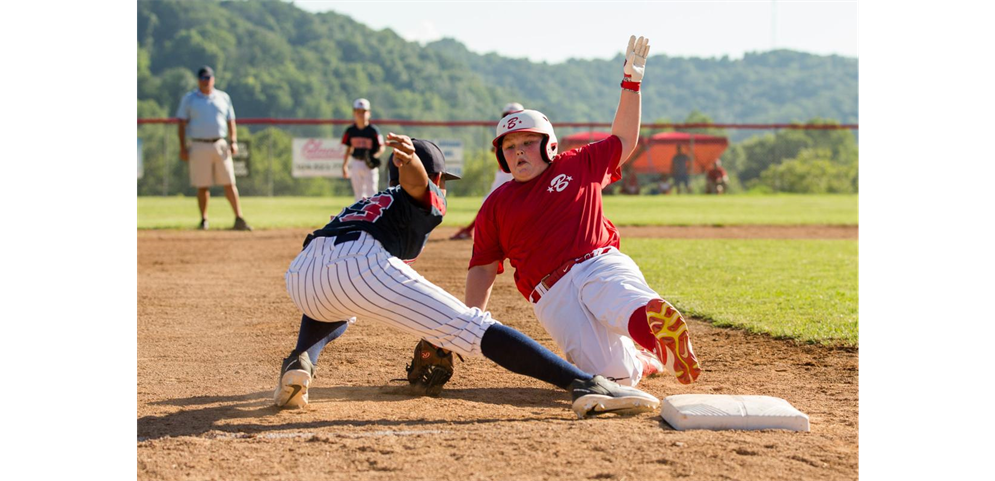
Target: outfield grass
313, 212
782, 209
800, 289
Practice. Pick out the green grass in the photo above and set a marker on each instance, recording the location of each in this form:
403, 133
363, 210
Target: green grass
799, 289
313, 212
780, 209
260, 212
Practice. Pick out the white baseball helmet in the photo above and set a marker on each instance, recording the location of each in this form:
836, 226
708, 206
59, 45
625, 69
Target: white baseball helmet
526, 121
361, 104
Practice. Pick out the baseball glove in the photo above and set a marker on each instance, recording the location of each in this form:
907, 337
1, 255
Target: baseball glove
372, 162
430, 369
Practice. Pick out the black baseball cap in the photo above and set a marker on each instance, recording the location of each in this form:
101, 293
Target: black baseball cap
431, 157
205, 71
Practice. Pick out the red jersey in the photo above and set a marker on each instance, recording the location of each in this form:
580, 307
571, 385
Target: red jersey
540, 224
716, 174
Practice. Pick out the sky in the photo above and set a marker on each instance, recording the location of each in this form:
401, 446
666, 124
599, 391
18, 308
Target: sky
556, 31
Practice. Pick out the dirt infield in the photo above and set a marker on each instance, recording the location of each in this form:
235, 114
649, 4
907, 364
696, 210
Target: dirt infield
214, 322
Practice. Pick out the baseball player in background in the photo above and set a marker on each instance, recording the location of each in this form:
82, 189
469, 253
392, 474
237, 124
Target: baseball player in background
549, 222
364, 145
355, 267
500, 177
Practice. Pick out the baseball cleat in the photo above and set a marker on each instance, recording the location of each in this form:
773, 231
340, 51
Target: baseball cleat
240, 224
673, 344
599, 396
295, 378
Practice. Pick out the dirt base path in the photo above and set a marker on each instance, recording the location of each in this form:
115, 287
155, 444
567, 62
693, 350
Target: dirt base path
214, 322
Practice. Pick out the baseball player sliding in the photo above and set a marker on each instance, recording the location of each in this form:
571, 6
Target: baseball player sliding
549, 222
354, 267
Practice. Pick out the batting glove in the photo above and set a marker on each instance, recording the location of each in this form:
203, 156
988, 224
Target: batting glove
635, 58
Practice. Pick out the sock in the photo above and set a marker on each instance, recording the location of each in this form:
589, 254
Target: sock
520, 354
315, 334
639, 330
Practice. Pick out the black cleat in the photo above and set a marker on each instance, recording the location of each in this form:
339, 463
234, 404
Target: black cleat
599, 396
295, 378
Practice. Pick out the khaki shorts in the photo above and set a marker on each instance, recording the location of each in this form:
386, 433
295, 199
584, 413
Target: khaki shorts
211, 164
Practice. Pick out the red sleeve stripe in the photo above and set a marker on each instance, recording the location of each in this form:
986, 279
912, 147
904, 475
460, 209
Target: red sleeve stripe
437, 202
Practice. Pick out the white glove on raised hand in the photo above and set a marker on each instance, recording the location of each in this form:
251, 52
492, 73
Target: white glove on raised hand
635, 58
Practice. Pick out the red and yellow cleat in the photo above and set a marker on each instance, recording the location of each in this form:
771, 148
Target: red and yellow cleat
673, 343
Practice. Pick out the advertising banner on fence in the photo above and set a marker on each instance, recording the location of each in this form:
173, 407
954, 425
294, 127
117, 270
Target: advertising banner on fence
241, 159
323, 157
317, 158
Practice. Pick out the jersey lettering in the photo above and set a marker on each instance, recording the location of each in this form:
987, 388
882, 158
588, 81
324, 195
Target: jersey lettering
559, 183
361, 143
372, 210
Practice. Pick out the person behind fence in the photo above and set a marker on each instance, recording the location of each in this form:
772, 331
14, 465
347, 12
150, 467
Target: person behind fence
630, 181
718, 179
680, 170
663, 186
364, 145
207, 117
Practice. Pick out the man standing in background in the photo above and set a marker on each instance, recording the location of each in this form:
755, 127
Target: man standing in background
680, 170
364, 144
207, 117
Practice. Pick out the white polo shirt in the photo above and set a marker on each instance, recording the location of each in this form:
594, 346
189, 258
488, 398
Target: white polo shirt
207, 116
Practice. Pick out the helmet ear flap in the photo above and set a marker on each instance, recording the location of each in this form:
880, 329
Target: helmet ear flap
548, 149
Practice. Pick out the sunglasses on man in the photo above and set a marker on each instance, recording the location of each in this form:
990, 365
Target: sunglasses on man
206, 78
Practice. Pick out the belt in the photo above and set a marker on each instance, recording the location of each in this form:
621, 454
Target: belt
547, 282
210, 141
339, 239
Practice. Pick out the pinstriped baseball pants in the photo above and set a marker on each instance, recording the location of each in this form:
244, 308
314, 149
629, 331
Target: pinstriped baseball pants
360, 279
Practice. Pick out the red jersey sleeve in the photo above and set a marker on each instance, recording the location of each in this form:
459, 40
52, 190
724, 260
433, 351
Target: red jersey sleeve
345, 137
605, 156
486, 244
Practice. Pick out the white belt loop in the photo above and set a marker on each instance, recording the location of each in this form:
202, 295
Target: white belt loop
316, 246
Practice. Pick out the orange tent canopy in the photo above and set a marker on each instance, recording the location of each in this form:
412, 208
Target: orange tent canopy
654, 155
